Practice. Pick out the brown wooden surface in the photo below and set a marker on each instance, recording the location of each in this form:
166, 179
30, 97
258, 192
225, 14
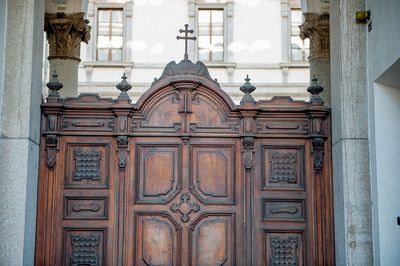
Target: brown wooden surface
184, 177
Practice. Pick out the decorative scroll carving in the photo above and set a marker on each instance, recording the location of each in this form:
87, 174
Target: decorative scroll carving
284, 251
65, 32
283, 167
316, 28
185, 207
84, 250
318, 152
122, 142
51, 143
248, 141
248, 145
185, 139
51, 139
185, 67
248, 164
86, 208
87, 165
276, 208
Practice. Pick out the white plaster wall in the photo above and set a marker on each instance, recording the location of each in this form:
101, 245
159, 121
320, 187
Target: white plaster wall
387, 150
155, 27
257, 28
384, 116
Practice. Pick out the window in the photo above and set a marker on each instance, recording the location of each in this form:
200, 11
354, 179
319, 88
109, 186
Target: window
299, 49
211, 34
110, 29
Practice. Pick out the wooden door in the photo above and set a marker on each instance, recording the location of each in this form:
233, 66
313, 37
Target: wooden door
185, 204
184, 177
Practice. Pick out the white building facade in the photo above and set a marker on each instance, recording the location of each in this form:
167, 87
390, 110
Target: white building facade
234, 38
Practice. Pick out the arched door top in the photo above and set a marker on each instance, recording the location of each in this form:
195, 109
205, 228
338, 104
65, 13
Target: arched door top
187, 75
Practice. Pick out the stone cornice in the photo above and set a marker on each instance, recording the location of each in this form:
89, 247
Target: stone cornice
316, 28
65, 32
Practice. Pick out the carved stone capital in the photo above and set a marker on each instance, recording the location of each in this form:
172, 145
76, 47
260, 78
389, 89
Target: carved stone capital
65, 32
316, 28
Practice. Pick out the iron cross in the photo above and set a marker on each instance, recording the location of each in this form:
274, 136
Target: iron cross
186, 38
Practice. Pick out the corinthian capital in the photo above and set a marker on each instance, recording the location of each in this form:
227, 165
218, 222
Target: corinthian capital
316, 28
65, 32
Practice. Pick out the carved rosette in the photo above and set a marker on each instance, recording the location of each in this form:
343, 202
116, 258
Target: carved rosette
316, 28
122, 143
65, 32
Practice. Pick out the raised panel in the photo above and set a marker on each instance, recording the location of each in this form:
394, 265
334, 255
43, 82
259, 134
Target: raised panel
282, 126
157, 240
283, 167
209, 117
84, 247
87, 165
85, 208
284, 210
212, 241
158, 172
163, 116
284, 248
87, 124
213, 173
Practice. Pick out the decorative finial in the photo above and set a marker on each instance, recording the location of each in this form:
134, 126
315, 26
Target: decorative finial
124, 86
186, 38
315, 89
247, 88
54, 85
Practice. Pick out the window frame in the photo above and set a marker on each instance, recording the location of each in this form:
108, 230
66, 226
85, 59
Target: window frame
109, 56
228, 7
219, 8
303, 51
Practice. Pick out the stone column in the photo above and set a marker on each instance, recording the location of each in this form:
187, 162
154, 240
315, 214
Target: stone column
316, 28
20, 128
65, 32
350, 140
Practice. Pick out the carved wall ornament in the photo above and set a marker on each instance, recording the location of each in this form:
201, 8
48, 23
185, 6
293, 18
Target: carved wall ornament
318, 152
65, 32
122, 140
51, 159
51, 139
248, 141
316, 28
185, 207
248, 164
